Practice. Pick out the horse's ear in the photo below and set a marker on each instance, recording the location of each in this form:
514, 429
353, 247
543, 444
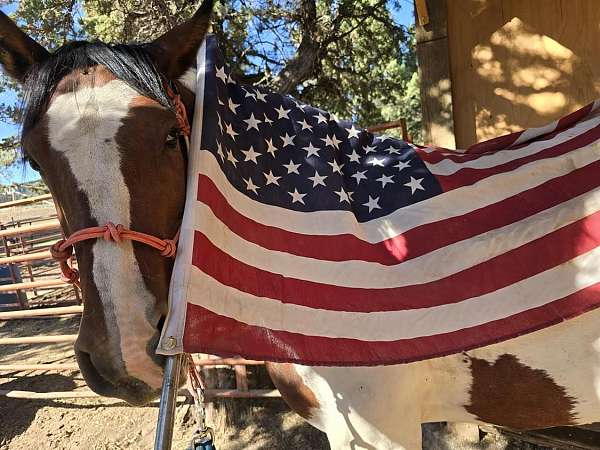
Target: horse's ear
175, 51
17, 50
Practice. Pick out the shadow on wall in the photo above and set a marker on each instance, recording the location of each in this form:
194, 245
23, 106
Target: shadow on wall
517, 65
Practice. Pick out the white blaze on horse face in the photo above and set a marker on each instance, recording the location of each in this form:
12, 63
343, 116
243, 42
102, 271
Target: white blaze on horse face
82, 126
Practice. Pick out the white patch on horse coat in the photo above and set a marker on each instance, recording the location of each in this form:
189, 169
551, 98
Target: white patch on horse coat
188, 79
391, 399
82, 126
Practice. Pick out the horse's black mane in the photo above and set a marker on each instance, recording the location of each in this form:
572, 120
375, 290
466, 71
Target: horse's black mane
130, 63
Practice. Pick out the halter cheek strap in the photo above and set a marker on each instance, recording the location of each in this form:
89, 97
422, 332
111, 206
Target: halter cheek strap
62, 251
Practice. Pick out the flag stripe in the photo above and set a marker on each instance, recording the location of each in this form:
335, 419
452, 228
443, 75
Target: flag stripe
542, 254
413, 243
538, 290
449, 204
465, 175
209, 332
440, 263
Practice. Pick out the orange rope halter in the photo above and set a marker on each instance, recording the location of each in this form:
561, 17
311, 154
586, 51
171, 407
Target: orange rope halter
62, 251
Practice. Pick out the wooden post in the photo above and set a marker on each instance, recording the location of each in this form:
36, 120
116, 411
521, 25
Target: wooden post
434, 70
241, 380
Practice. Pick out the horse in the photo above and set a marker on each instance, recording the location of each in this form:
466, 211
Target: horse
100, 126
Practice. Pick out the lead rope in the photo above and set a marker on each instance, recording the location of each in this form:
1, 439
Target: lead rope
203, 439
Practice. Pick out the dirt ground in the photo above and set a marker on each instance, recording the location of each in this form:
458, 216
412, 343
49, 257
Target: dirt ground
101, 424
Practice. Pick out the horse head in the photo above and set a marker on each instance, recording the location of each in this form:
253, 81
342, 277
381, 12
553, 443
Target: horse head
101, 129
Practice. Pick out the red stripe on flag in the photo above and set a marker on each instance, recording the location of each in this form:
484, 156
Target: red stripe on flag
511, 267
207, 332
413, 243
468, 176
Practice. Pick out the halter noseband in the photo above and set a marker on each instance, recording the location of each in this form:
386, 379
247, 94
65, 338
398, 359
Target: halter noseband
62, 251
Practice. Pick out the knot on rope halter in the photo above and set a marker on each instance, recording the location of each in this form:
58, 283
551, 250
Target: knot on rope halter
170, 248
113, 232
62, 250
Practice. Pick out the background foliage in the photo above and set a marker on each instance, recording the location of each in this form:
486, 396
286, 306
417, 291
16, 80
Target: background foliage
349, 57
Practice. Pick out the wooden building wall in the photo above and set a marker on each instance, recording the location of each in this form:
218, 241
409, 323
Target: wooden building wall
519, 63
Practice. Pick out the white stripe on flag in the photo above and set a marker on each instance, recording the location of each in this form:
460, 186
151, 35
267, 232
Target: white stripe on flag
448, 167
543, 288
432, 266
444, 206
531, 133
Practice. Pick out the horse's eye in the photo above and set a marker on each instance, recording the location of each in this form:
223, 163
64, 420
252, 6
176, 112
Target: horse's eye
172, 138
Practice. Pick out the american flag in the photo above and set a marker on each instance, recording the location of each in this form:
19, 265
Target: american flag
308, 239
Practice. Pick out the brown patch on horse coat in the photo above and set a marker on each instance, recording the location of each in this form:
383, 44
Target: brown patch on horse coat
95, 76
296, 394
509, 393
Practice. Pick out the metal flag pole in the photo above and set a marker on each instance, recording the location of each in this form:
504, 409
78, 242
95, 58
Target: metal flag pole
168, 403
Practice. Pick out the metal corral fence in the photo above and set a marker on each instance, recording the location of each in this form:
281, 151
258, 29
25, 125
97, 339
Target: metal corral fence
31, 282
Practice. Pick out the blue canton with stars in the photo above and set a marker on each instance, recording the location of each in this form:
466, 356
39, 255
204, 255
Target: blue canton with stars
280, 152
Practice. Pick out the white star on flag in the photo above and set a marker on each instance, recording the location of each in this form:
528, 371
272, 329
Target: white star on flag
297, 196
221, 74
384, 179
271, 179
311, 150
372, 204
353, 132
318, 179
354, 157
402, 165
359, 175
320, 118
343, 195
335, 166
415, 184
292, 167
282, 113
267, 120
231, 132
231, 157
370, 149
249, 94
233, 106
251, 186
392, 150
251, 155
287, 140
271, 148
252, 122
261, 96
305, 126
377, 162
220, 151
381, 138
331, 141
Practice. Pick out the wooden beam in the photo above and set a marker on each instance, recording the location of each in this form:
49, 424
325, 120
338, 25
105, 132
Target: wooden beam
209, 393
31, 285
422, 12
26, 201
434, 71
28, 313
60, 338
30, 229
28, 257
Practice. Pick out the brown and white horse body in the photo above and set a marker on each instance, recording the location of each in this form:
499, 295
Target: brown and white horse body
102, 149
